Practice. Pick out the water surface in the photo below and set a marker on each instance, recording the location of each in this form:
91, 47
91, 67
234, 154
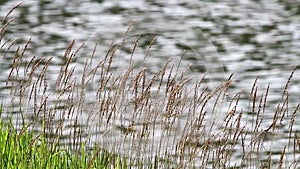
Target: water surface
248, 38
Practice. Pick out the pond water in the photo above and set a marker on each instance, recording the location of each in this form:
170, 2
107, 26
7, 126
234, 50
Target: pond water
248, 38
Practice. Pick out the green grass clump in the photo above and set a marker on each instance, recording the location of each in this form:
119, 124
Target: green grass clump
24, 149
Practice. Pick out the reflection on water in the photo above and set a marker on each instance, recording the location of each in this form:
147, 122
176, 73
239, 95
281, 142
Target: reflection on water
248, 38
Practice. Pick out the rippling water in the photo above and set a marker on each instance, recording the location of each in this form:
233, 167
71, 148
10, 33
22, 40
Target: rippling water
248, 38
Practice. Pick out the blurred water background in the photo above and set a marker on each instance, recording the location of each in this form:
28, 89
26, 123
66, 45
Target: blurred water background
249, 38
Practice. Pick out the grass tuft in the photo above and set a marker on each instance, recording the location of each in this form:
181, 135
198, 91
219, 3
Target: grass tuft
24, 149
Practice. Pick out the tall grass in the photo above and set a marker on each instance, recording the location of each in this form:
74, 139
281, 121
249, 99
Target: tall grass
163, 119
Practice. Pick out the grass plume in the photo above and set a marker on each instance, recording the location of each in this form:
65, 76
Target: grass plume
163, 119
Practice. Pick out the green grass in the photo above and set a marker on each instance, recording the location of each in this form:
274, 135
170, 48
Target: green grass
24, 149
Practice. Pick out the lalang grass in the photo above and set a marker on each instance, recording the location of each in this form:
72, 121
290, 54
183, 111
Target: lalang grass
135, 119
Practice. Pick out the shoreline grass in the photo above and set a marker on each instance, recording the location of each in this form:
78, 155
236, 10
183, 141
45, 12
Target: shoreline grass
24, 149
135, 119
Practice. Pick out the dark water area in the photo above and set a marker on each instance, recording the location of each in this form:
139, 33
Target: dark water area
251, 39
